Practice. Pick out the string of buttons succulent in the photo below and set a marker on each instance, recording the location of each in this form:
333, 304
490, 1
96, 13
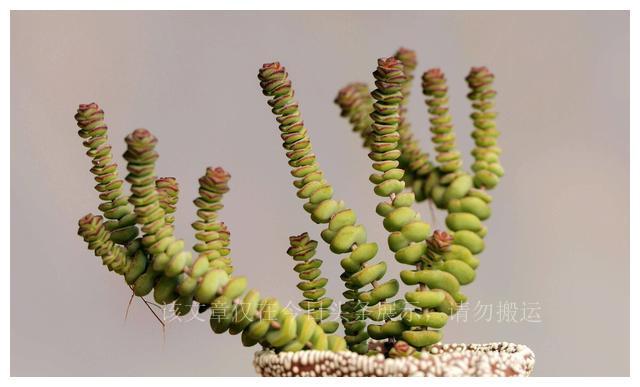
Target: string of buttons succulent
135, 236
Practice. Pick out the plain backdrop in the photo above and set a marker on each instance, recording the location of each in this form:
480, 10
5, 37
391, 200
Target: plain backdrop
558, 240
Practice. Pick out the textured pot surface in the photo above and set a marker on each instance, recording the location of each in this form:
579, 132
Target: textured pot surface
493, 359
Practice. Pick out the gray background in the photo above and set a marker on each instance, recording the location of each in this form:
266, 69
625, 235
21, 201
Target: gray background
559, 232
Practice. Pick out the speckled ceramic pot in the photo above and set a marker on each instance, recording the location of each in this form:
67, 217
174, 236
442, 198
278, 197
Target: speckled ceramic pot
494, 359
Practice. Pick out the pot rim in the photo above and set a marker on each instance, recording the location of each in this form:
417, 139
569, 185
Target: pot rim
456, 359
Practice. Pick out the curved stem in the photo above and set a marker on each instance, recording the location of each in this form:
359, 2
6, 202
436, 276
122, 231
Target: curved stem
114, 206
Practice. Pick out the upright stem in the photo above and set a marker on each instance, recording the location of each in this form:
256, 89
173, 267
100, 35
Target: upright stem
412, 159
168, 258
487, 166
212, 235
168, 190
434, 86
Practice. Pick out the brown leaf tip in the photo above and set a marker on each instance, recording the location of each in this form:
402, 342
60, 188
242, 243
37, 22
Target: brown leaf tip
401, 349
88, 219
88, 106
141, 136
352, 93
390, 63
167, 183
272, 65
480, 74
433, 74
269, 70
440, 241
390, 72
480, 70
87, 114
407, 57
217, 175
297, 240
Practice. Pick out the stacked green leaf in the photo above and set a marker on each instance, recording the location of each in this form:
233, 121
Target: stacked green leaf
168, 190
466, 207
233, 309
434, 87
435, 297
213, 242
487, 166
92, 229
315, 304
418, 168
122, 221
356, 104
343, 235
412, 159
275, 326
258, 320
441, 268
441, 263
408, 233
213, 236
168, 258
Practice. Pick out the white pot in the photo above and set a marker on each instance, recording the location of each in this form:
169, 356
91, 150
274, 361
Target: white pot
494, 359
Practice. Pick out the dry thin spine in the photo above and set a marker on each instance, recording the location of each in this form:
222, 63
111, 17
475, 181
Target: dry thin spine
343, 235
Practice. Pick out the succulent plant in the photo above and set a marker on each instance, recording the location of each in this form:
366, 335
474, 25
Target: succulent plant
443, 261
137, 238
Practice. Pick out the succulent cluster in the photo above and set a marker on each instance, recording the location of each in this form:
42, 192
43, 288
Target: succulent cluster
157, 261
137, 238
443, 260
